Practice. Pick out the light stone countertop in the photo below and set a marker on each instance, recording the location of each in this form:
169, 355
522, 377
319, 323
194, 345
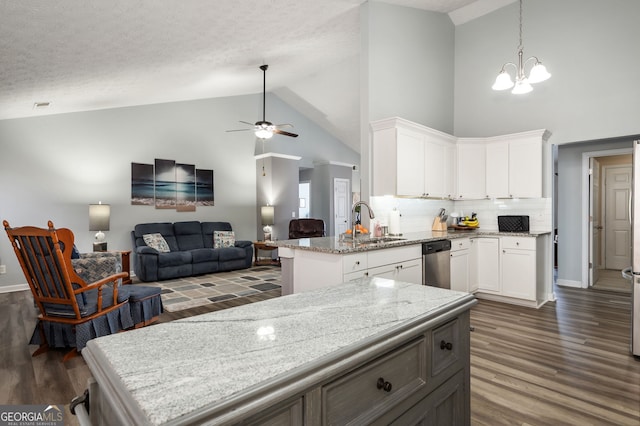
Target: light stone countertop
336, 246
171, 369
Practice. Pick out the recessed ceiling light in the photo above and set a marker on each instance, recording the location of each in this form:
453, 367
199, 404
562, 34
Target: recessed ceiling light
41, 105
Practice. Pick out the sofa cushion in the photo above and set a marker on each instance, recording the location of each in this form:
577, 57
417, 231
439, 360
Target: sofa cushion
230, 253
188, 235
204, 255
164, 228
222, 239
156, 242
174, 258
208, 228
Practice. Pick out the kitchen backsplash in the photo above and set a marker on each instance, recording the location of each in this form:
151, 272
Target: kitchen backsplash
417, 215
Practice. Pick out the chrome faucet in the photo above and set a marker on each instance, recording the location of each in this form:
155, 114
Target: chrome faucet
353, 216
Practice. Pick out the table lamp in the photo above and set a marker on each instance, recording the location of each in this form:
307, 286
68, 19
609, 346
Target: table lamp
99, 215
267, 215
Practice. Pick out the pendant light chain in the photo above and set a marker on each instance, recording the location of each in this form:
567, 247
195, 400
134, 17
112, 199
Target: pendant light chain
520, 46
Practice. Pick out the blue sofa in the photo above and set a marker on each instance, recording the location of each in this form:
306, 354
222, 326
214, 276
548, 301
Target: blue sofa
191, 251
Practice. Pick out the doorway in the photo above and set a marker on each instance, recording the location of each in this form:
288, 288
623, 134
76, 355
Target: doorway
304, 199
607, 219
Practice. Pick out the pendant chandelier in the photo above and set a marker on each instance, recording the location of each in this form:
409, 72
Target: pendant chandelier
523, 83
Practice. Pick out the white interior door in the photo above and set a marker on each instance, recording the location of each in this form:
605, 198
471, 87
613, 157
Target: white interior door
617, 223
341, 205
595, 229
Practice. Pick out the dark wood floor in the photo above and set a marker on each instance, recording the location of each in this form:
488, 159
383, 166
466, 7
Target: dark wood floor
566, 363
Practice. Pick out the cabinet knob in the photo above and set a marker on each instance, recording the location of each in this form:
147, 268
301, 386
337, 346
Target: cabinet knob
517, 243
445, 345
383, 384
357, 262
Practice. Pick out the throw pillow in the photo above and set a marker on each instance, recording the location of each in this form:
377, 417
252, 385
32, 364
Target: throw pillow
75, 254
223, 239
156, 241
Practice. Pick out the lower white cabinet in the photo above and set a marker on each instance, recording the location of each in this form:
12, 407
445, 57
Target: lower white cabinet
487, 274
518, 258
506, 268
402, 264
460, 264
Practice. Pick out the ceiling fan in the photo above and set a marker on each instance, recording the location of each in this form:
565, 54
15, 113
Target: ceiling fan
265, 129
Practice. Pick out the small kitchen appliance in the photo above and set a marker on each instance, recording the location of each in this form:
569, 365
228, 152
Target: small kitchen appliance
513, 223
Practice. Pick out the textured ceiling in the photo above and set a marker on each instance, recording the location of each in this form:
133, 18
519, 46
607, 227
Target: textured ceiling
92, 54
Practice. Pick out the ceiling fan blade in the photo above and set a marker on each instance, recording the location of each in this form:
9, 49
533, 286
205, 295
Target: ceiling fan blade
282, 132
246, 122
238, 130
284, 125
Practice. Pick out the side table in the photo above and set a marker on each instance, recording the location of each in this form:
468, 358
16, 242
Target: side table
126, 266
264, 245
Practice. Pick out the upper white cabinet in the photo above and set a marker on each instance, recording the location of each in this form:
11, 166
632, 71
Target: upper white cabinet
498, 167
411, 160
471, 168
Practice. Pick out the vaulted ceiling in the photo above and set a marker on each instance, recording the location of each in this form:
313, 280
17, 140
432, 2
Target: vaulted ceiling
87, 55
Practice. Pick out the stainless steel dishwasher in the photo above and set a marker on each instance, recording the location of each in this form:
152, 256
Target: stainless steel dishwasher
435, 263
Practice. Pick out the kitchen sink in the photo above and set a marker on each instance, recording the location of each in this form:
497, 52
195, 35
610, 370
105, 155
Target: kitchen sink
378, 240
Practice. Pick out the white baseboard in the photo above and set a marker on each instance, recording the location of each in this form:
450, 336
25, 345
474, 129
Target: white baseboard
12, 288
570, 283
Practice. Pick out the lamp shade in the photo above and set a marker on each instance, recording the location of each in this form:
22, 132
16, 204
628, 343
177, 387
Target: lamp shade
267, 214
503, 82
538, 73
99, 215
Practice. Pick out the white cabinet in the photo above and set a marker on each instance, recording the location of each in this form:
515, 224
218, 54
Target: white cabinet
409, 271
410, 165
459, 264
518, 259
488, 264
411, 160
525, 167
497, 176
402, 264
471, 167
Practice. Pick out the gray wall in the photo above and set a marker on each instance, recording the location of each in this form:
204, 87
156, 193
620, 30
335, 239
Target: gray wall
407, 70
322, 203
52, 167
587, 45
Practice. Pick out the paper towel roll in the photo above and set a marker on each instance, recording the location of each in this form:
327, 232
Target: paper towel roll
394, 222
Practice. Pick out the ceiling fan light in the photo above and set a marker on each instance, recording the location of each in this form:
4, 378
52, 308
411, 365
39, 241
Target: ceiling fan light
503, 81
538, 73
522, 87
264, 133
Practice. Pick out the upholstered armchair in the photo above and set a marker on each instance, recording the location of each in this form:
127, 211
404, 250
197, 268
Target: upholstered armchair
73, 310
306, 228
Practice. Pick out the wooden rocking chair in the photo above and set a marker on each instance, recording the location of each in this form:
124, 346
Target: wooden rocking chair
71, 311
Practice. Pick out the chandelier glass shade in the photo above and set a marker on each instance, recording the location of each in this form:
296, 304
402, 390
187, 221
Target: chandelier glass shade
522, 84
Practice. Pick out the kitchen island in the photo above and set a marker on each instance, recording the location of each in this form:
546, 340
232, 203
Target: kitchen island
371, 351
311, 263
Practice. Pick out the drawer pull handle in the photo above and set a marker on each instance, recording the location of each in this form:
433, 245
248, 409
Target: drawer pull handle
445, 345
384, 385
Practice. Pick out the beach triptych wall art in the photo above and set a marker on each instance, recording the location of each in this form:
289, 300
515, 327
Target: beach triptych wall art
166, 184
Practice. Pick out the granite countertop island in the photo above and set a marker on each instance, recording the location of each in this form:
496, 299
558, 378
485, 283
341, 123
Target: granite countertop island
217, 365
337, 246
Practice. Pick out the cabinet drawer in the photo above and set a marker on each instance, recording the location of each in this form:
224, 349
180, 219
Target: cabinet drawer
370, 391
354, 262
523, 243
394, 255
352, 276
460, 244
445, 347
